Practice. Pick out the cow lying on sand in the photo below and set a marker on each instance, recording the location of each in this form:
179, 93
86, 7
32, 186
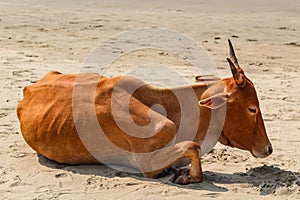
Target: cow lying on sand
48, 122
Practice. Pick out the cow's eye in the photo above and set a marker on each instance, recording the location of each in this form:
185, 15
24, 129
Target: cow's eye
252, 109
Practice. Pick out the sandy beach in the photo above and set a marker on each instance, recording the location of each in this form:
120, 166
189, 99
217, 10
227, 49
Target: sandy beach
37, 37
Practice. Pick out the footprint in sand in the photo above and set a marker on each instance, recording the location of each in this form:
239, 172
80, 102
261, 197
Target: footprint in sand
271, 179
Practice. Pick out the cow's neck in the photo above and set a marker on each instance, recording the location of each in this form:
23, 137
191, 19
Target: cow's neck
167, 98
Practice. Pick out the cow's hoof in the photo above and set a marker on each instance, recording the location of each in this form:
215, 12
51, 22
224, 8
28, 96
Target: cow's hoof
169, 171
183, 177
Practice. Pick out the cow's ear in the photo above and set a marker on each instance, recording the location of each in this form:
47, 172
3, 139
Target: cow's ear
215, 101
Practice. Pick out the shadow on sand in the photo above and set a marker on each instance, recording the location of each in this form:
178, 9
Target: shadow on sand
266, 178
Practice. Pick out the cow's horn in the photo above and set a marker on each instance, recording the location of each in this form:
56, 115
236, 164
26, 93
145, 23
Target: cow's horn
232, 54
236, 75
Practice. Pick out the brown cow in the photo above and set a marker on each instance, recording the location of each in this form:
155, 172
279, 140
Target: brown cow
53, 127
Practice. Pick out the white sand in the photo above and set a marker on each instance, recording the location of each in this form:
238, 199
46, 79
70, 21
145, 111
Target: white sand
39, 37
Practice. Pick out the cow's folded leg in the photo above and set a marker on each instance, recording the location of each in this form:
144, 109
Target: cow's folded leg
187, 149
194, 174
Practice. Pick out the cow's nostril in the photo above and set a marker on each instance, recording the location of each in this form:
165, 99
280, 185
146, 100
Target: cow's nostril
270, 149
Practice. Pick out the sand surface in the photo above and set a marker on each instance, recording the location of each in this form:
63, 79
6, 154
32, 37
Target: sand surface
36, 38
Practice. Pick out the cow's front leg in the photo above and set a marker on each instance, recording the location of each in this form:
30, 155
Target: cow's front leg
194, 174
190, 150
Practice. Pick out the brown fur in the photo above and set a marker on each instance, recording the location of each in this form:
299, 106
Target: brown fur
47, 121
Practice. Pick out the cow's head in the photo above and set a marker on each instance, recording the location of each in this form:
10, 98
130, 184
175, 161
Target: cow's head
243, 127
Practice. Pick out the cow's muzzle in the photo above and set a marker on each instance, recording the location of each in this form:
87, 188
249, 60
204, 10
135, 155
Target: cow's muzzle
265, 151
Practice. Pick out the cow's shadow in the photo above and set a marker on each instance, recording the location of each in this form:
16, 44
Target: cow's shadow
267, 179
